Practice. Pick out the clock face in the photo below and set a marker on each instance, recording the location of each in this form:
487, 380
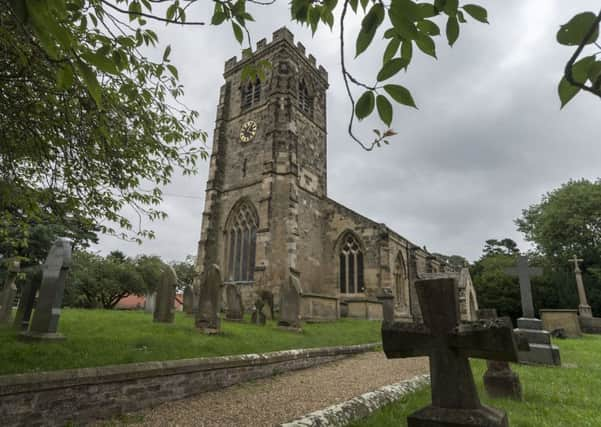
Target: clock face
248, 131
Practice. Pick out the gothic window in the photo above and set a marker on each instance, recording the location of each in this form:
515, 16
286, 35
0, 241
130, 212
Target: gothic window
251, 94
240, 240
305, 101
350, 265
400, 280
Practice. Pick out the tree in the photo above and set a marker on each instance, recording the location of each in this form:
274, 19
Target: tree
184, 271
150, 268
505, 246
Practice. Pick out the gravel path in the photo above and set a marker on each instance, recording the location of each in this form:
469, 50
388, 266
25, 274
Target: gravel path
270, 401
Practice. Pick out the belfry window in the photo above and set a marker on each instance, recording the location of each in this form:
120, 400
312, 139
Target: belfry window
350, 266
305, 101
251, 94
240, 240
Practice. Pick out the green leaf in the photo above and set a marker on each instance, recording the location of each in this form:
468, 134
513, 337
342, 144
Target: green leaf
384, 109
365, 105
580, 71
173, 71
238, 32
391, 49
218, 18
450, 7
407, 51
428, 27
64, 77
364, 4
91, 82
391, 67
594, 71
575, 30
426, 44
100, 61
166, 53
354, 4
452, 30
566, 91
314, 17
425, 10
476, 12
369, 25
400, 94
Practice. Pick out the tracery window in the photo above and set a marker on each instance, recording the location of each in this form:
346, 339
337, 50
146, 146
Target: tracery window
350, 265
305, 101
241, 238
251, 94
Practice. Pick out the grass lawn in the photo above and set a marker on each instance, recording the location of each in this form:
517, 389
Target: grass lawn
104, 337
568, 396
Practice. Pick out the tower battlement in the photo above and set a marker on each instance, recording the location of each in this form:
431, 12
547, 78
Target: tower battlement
282, 35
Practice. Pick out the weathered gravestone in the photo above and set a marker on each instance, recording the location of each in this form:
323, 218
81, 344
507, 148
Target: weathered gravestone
26, 303
499, 379
164, 310
7, 296
268, 306
209, 304
449, 343
44, 324
541, 350
188, 300
258, 317
583, 308
234, 309
386, 297
290, 303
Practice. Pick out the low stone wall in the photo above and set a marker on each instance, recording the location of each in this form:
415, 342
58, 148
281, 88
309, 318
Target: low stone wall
365, 308
317, 307
83, 395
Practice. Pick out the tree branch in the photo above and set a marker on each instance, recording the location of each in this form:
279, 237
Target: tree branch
150, 16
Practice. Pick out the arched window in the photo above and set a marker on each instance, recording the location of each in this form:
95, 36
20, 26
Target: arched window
241, 239
350, 265
251, 94
400, 281
305, 101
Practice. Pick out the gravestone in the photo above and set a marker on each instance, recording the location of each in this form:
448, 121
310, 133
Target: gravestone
26, 303
209, 304
258, 317
164, 310
541, 350
150, 302
7, 296
343, 309
188, 300
386, 297
268, 305
44, 323
583, 308
449, 344
234, 310
499, 379
290, 303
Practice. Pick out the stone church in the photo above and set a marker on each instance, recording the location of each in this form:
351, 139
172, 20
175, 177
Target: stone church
267, 213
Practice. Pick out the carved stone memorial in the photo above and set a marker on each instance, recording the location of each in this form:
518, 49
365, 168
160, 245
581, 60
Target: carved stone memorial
44, 324
290, 303
164, 310
209, 304
449, 344
7, 295
234, 310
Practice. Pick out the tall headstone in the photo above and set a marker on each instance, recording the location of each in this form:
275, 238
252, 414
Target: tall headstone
584, 309
449, 343
7, 296
164, 310
209, 304
234, 310
188, 300
44, 324
499, 379
150, 302
290, 303
541, 350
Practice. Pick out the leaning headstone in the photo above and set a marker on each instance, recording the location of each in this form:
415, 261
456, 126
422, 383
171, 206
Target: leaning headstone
541, 350
7, 296
188, 300
164, 310
499, 379
449, 344
234, 310
257, 317
290, 303
209, 304
386, 297
44, 324
583, 308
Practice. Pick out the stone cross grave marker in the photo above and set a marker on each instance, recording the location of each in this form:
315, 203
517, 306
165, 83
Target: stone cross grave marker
290, 302
523, 272
7, 296
449, 343
188, 300
44, 324
583, 308
209, 301
164, 310
499, 379
234, 310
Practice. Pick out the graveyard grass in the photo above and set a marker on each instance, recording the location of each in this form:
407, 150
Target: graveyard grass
108, 337
566, 396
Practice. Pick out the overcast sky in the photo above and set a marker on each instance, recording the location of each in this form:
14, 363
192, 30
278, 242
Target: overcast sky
488, 140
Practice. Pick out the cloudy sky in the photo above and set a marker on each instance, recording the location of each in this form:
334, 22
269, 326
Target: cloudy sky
487, 141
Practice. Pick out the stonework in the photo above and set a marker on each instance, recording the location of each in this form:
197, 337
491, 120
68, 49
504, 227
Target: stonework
267, 211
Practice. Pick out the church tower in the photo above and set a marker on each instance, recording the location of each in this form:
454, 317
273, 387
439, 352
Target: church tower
267, 176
